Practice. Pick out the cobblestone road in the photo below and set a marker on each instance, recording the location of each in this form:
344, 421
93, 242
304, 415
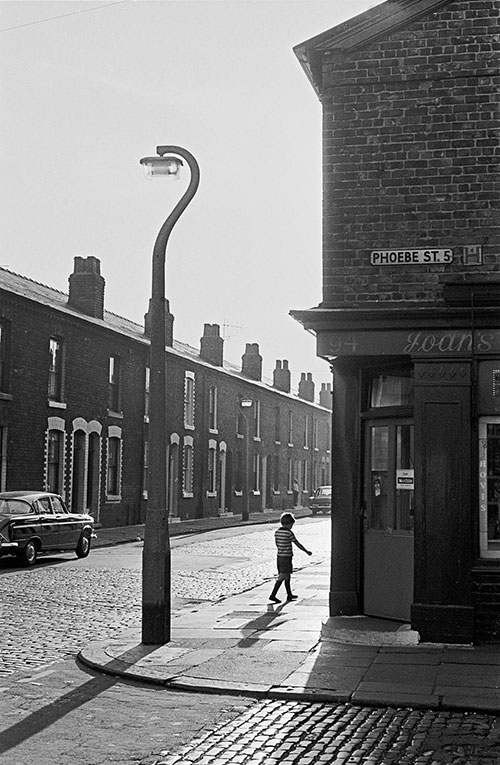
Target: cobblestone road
298, 733
50, 611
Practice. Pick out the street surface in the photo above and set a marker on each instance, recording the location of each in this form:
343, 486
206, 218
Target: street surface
54, 712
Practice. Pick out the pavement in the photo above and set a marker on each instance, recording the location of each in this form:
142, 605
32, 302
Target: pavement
245, 645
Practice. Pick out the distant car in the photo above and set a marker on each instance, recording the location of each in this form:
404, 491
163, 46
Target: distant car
34, 522
321, 501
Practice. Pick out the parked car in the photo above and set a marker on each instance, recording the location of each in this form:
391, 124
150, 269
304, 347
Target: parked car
34, 522
321, 501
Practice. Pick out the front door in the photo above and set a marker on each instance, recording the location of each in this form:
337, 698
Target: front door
389, 518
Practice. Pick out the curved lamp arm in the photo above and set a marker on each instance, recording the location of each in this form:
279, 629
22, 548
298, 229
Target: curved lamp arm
159, 251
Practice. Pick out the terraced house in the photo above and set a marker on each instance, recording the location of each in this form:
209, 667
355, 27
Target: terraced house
74, 411
410, 316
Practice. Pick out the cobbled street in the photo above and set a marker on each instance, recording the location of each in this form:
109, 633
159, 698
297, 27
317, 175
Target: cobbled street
54, 713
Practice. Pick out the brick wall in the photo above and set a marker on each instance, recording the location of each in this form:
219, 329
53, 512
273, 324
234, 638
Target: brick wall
411, 154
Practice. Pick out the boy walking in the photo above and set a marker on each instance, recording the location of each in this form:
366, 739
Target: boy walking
285, 538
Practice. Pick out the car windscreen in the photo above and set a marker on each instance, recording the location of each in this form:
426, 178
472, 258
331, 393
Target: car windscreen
327, 492
14, 507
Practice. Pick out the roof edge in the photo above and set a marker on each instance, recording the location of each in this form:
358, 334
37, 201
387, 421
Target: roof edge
359, 31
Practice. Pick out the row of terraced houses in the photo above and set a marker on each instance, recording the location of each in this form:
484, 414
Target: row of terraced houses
74, 411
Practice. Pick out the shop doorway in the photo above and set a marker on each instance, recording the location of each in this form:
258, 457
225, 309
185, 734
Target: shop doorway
389, 518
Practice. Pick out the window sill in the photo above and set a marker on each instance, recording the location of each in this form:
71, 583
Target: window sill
113, 498
306, 448
5, 396
257, 438
187, 494
238, 493
188, 427
146, 418
278, 443
291, 445
240, 435
56, 404
211, 493
255, 493
215, 431
116, 415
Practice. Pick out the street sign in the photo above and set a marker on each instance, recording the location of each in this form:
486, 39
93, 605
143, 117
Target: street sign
407, 256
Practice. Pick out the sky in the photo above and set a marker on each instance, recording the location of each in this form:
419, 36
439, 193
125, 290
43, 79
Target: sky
88, 88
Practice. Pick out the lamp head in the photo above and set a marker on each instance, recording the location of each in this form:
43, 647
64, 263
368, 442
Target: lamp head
162, 167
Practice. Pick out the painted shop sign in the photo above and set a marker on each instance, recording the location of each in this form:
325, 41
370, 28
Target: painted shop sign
407, 256
405, 480
412, 343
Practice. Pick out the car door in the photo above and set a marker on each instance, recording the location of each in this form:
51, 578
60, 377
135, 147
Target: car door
49, 525
69, 525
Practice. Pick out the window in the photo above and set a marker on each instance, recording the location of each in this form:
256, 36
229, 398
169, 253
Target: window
212, 468
187, 466
238, 485
55, 461
145, 470
391, 388
114, 384
4, 356
290, 428
212, 409
290, 476
316, 435
147, 377
189, 400
306, 431
256, 420
489, 487
114, 453
277, 425
3, 457
55, 389
305, 476
256, 473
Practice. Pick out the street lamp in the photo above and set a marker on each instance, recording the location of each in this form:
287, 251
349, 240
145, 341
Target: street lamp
245, 404
156, 552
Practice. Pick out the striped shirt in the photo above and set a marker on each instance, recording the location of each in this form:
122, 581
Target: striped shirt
284, 538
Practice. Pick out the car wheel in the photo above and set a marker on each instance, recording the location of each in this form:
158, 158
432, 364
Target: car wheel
27, 556
83, 546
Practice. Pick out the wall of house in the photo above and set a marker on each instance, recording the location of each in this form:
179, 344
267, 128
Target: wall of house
410, 151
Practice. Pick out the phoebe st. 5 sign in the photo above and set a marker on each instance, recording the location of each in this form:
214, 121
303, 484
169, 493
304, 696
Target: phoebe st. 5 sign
406, 256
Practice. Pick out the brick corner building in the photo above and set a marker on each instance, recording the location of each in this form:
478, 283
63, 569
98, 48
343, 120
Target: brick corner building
410, 317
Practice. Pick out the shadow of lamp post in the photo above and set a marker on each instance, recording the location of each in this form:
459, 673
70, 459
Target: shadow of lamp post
245, 405
156, 563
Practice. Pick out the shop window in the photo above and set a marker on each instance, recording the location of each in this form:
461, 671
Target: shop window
489, 487
391, 388
55, 387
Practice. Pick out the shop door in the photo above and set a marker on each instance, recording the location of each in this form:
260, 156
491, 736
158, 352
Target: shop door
389, 517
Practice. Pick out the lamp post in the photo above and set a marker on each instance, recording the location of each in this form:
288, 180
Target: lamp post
156, 564
245, 404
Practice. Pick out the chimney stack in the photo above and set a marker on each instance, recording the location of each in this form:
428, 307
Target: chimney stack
325, 396
281, 376
306, 387
86, 287
251, 362
212, 345
169, 323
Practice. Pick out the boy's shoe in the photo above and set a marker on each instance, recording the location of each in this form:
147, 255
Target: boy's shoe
292, 597
274, 599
